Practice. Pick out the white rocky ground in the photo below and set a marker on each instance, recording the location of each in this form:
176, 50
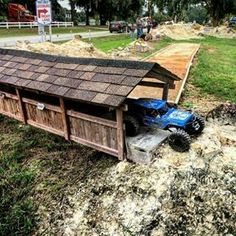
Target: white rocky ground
178, 194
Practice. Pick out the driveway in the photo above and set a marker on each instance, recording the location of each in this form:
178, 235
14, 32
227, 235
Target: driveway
11, 41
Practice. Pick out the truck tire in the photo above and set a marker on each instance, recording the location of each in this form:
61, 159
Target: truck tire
131, 125
180, 141
197, 126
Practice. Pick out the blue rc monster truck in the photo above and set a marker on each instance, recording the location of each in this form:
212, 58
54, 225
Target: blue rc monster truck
160, 114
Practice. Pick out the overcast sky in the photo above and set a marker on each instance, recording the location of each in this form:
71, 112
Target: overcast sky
64, 3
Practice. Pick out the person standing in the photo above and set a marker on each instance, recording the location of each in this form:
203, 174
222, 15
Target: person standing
139, 27
132, 30
149, 24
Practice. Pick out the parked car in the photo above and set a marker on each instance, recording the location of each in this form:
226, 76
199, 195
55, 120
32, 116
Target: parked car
232, 21
119, 26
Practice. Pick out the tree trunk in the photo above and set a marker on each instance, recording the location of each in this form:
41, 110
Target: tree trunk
215, 21
103, 19
87, 14
73, 12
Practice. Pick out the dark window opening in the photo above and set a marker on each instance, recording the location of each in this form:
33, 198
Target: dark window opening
7, 89
42, 98
90, 109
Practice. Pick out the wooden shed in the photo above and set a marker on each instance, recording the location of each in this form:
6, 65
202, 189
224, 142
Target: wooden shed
75, 97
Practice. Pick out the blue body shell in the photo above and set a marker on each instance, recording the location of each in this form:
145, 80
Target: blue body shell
157, 112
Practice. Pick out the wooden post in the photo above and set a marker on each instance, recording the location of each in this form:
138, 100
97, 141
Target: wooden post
65, 120
120, 133
21, 106
165, 92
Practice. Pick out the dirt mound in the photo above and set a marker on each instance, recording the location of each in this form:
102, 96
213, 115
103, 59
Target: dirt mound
182, 31
189, 193
175, 31
130, 52
224, 114
73, 48
220, 32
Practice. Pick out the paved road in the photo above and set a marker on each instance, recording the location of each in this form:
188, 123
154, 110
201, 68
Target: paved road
11, 41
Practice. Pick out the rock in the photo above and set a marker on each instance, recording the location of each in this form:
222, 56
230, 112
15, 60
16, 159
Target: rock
208, 145
122, 167
228, 135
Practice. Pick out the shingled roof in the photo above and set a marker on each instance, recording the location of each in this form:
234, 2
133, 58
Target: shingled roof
100, 81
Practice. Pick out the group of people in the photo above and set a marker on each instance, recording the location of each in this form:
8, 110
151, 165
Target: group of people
139, 26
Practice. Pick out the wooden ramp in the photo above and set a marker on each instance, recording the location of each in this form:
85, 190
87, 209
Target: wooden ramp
178, 59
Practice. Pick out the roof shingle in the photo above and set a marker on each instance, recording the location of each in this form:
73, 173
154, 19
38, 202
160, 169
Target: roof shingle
100, 81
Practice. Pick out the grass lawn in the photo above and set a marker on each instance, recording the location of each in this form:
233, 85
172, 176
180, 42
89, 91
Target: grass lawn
34, 31
28, 175
215, 71
106, 44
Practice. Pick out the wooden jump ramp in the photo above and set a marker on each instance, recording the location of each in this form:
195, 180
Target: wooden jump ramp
178, 59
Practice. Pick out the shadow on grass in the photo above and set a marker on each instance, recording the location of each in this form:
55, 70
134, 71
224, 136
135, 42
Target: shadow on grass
36, 169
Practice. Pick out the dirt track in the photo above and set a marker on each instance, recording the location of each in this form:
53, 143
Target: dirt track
178, 59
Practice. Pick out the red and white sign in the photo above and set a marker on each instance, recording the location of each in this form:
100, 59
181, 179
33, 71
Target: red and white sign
43, 9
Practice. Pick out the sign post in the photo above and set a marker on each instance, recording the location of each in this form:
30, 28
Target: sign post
44, 17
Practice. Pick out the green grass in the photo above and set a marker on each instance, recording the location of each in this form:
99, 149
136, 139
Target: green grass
16, 208
34, 31
215, 71
21, 167
106, 44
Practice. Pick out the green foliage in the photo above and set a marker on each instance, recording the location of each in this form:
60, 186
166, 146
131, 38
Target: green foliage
216, 9
3, 8
161, 17
109, 10
196, 13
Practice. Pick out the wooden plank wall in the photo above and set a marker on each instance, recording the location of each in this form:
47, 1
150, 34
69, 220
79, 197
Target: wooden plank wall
9, 106
98, 133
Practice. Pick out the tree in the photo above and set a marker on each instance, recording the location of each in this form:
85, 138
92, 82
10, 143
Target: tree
73, 10
3, 7
196, 13
218, 9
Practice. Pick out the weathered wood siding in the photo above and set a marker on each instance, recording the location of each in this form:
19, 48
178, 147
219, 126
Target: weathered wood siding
9, 106
98, 133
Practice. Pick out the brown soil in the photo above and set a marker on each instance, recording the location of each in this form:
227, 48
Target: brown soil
73, 48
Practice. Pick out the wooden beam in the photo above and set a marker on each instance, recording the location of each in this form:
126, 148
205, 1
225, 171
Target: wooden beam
165, 92
11, 115
160, 77
65, 120
98, 147
21, 106
8, 95
155, 84
47, 106
46, 128
120, 134
93, 119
